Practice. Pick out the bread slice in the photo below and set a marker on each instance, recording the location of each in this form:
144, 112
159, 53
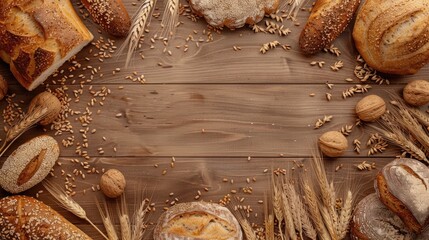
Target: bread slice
37, 37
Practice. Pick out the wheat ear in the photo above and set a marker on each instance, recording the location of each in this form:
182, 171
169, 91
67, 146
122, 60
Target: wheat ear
249, 233
140, 220
277, 204
289, 225
169, 19
345, 216
306, 222
107, 220
268, 220
17, 130
296, 5
68, 203
294, 200
138, 26
124, 219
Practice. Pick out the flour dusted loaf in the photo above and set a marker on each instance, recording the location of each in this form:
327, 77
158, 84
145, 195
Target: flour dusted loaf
26, 218
372, 220
233, 14
29, 164
393, 36
197, 221
328, 19
403, 186
38, 36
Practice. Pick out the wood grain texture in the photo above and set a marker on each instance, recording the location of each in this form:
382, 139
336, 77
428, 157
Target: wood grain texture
211, 108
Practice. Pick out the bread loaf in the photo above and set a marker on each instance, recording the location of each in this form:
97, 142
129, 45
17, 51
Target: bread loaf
328, 19
111, 15
38, 36
29, 164
393, 36
233, 14
197, 220
26, 218
402, 186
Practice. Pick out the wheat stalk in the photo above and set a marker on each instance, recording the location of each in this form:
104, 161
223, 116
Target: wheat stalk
68, 203
139, 227
22, 126
169, 19
124, 219
138, 26
107, 220
345, 216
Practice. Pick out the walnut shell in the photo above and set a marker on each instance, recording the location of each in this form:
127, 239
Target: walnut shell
333, 144
370, 108
112, 183
416, 93
48, 100
3, 87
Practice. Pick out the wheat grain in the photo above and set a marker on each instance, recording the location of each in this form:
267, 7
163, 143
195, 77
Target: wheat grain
68, 203
345, 216
138, 26
107, 220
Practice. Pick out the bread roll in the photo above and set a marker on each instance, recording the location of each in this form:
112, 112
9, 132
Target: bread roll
26, 218
403, 186
198, 221
328, 19
393, 36
37, 37
233, 14
373, 221
111, 15
29, 164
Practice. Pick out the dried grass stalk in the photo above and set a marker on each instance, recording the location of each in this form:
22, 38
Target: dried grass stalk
345, 216
169, 19
107, 220
138, 26
68, 203
124, 219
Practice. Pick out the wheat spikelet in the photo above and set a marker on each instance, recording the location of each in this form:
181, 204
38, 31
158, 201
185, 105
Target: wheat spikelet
345, 216
294, 200
169, 19
107, 220
68, 203
124, 219
138, 26
139, 227
289, 225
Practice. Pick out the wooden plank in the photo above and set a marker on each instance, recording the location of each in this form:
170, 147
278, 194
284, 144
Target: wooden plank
191, 175
212, 120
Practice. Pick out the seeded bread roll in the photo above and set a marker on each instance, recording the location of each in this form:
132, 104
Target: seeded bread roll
29, 164
393, 36
328, 19
37, 37
197, 221
233, 14
402, 186
26, 218
111, 15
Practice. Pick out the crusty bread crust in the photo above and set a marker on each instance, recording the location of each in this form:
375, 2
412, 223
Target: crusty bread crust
26, 218
328, 19
393, 36
37, 37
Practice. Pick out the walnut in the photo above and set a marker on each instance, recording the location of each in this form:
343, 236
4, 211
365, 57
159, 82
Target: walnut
416, 93
3, 87
370, 108
112, 183
333, 143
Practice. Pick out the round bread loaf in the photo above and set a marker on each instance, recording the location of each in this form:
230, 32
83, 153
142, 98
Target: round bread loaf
233, 14
402, 186
29, 164
393, 36
373, 221
197, 220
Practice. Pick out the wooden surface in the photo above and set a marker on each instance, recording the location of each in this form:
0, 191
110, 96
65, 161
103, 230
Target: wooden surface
211, 108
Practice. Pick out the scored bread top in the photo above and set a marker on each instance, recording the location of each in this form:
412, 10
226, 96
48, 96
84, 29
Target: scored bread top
36, 37
233, 14
198, 220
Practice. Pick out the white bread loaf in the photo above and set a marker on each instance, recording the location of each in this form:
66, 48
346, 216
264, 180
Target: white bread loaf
37, 37
197, 221
26, 218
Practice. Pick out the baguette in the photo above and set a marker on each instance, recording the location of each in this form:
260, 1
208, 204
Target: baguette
37, 37
110, 15
328, 19
26, 218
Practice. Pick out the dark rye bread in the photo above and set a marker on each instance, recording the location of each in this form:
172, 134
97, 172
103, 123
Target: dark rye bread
26, 218
328, 19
